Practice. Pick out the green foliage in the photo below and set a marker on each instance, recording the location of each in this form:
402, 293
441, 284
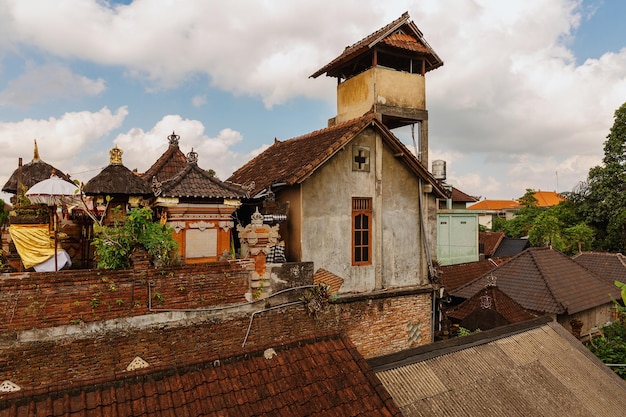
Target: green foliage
114, 244
580, 237
4, 214
465, 332
610, 348
546, 231
601, 198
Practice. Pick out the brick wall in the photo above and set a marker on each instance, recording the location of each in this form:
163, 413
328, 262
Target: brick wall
376, 325
40, 300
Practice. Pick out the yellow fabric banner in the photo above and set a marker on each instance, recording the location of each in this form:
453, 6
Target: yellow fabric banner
33, 243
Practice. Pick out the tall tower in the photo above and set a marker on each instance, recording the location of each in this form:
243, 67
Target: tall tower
385, 73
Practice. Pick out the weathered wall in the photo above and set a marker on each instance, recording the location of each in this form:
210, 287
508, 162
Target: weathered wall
398, 256
75, 297
377, 324
357, 95
592, 319
327, 215
403, 261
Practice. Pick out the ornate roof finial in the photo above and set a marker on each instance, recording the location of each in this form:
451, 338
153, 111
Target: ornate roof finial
173, 138
116, 156
36, 153
192, 157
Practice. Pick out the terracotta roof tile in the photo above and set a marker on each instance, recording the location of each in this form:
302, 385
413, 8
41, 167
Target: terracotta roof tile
490, 241
411, 40
459, 196
548, 198
323, 376
494, 205
292, 161
323, 276
194, 181
168, 165
454, 276
546, 281
475, 314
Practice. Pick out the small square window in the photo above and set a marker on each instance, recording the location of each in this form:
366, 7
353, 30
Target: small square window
360, 158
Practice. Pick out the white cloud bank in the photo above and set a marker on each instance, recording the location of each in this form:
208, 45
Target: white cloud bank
511, 105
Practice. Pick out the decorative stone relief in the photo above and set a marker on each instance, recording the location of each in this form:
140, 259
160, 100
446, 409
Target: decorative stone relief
226, 225
8, 386
415, 332
137, 363
202, 225
178, 226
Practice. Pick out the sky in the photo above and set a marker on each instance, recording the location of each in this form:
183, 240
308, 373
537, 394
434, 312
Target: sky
525, 98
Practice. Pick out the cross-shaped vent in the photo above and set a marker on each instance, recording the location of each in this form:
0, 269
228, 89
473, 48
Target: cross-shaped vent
360, 158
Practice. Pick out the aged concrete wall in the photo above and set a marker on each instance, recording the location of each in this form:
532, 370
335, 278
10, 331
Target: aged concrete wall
357, 95
398, 256
400, 89
327, 215
403, 260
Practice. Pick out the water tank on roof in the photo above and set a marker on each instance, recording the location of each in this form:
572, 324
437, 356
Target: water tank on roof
439, 169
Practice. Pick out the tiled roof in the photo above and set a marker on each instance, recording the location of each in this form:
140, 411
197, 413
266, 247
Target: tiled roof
460, 197
490, 241
510, 247
317, 377
294, 160
168, 165
546, 281
513, 371
609, 266
411, 40
548, 198
483, 310
117, 179
454, 276
194, 181
323, 276
494, 205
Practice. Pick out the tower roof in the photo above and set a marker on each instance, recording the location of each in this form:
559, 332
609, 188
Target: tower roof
399, 37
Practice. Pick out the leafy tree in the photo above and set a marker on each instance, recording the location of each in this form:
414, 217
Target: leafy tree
114, 244
602, 197
580, 236
546, 231
520, 225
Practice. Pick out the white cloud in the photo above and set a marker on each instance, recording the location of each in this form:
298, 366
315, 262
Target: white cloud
143, 148
60, 140
47, 82
510, 98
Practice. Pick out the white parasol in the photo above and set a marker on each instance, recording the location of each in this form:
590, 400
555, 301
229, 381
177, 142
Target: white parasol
54, 191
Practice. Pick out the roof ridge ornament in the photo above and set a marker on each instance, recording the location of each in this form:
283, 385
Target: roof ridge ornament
173, 138
36, 157
192, 157
116, 156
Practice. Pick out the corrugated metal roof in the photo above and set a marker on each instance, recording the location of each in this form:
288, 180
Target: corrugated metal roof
542, 371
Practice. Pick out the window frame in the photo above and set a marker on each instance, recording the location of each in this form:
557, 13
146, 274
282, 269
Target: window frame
361, 206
